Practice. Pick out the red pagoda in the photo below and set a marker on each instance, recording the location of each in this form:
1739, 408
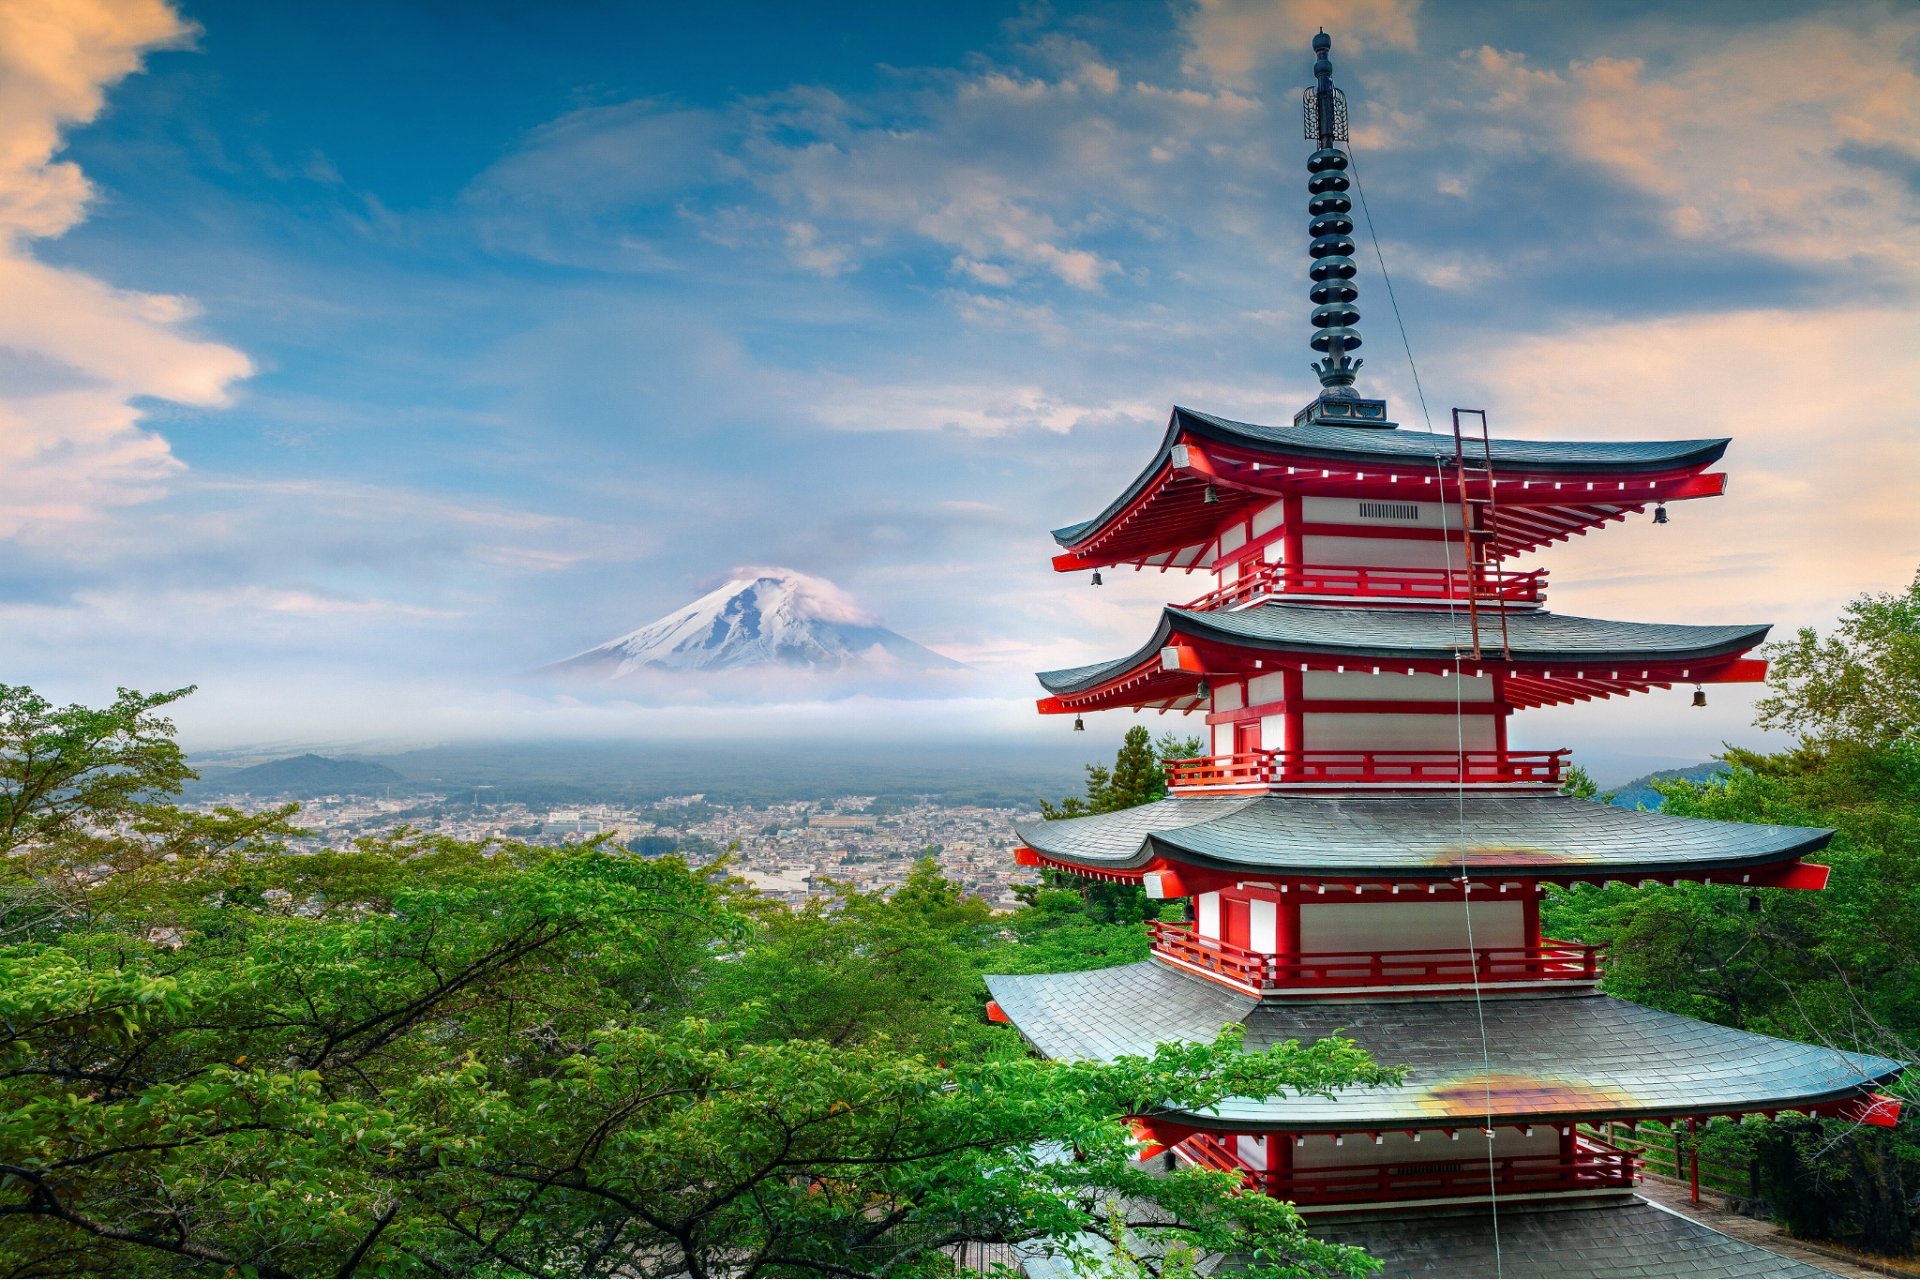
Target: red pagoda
1362, 851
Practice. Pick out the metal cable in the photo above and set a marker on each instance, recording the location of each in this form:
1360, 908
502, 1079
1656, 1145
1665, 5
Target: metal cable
1361, 191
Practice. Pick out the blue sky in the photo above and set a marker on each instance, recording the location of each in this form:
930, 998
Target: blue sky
360, 356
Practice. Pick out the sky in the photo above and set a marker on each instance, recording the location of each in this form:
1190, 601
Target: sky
355, 358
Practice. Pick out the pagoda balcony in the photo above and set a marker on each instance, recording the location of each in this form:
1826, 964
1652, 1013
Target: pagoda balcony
1591, 1166
1253, 770
1376, 586
1347, 972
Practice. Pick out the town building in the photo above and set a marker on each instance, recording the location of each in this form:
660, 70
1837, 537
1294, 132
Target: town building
1362, 852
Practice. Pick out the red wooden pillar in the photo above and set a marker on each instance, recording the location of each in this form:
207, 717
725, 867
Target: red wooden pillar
1291, 509
1693, 1161
1293, 691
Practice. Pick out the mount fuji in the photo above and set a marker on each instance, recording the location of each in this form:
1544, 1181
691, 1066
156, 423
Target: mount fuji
760, 618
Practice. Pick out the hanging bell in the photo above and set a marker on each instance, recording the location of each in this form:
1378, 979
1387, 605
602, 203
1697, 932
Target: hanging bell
1211, 497
1204, 692
1659, 513
1699, 696
1753, 904
1096, 577
1079, 725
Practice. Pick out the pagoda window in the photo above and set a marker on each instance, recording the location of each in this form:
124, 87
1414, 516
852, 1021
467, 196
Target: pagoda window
1386, 731
1206, 915
1400, 925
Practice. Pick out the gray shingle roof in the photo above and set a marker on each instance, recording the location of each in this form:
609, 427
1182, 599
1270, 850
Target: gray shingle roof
1415, 835
1411, 448
1628, 1238
1554, 1058
1424, 634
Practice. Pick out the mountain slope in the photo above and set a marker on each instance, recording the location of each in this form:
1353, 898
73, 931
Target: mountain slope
762, 618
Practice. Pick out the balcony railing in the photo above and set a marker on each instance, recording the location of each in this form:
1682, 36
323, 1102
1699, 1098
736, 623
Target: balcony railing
1368, 583
1550, 961
1592, 1166
1266, 768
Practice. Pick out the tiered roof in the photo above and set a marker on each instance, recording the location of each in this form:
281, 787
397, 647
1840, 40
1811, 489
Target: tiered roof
1418, 836
1544, 1058
1573, 485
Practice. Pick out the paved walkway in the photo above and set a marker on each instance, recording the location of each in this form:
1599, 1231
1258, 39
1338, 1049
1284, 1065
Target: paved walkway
1673, 1195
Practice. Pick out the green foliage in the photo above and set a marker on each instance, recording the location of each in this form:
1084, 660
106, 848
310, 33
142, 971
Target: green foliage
429, 1057
1579, 784
1840, 967
1860, 685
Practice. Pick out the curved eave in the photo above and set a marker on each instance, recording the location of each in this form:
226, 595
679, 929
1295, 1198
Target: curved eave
1417, 836
1552, 1059
1228, 643
1167, 482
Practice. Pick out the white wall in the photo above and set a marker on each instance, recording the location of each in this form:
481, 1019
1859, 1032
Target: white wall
1403, 924
1381, 553
1207, 915
1268, 518
1371, 731
1318, 1151
1252, 1149
1395, 686
1263, 926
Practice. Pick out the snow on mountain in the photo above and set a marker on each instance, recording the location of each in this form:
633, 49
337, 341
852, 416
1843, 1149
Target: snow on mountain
760, 618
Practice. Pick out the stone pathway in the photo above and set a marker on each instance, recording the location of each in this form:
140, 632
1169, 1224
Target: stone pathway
1673, 1195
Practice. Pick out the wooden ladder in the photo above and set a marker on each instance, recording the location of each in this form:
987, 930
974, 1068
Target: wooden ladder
1479, 530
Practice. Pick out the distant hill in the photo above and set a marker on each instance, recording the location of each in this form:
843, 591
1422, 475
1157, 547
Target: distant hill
305, 775
1639, 794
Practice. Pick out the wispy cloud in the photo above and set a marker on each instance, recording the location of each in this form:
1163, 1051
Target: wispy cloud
76, 354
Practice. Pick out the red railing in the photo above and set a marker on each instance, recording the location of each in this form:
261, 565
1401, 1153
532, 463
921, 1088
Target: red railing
1366, 582
1593, 1166
1550, 961
1263, 768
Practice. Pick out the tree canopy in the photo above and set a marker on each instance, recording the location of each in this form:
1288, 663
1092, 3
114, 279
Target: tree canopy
424, 1056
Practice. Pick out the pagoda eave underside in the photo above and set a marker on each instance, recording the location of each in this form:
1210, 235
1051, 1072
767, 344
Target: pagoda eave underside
1545, 1059
1422, 836
1164, 520
1189, 648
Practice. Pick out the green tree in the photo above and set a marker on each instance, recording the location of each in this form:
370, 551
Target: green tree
428, 1057
1840, 967
1859, 686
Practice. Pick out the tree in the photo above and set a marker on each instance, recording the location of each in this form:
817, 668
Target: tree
1860, 685
425, 1056
1840, 967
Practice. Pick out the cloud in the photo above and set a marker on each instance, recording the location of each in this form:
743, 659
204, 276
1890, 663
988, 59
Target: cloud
77, 355
983, 409
1753, 140
1233, 41
1822, 475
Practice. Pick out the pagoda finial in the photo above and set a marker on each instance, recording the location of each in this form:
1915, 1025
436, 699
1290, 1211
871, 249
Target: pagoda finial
1331, 227
1331, 249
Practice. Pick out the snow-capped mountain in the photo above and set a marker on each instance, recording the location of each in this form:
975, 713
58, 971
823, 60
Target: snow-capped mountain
760, 618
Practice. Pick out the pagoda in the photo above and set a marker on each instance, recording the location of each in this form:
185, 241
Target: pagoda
1361, 851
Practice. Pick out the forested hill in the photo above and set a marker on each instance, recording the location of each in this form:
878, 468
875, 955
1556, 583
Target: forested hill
304, 775
1639, 794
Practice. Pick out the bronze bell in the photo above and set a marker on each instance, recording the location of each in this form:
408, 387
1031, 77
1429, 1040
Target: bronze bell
1659, 513
1211, 497
1096, 577
1699, 696
1079, 725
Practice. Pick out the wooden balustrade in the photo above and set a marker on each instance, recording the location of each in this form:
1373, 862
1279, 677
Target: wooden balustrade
1368, 583
1550, 961
1592, 1166
1266, 768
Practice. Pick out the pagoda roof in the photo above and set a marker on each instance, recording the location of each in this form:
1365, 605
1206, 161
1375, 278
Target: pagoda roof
1546, 1059
1628, 1238
1416, 835
1535, 639
1417, 451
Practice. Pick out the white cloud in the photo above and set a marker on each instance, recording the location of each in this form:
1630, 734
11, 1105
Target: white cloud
77, 355
1822, 469
1787, 138
984, 409
1232, 41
